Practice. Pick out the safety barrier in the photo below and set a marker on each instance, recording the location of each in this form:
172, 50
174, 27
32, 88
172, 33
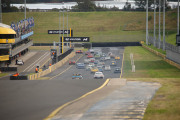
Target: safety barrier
8, 69
163, 56
18, 77
51, 68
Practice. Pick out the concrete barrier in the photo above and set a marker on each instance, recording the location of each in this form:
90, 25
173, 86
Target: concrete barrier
163, 56
51, 68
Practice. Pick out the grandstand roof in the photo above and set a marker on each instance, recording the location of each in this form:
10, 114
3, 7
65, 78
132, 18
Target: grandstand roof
4, 25
4, 30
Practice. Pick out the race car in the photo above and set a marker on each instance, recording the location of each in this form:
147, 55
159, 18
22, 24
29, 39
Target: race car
94, 69
79, 51
77, 76
99, 75
19, 62
90, 56
117, 70
117, 58
72, 62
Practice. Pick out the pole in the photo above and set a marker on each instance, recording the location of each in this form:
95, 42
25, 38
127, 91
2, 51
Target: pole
159, 24
59, 31
164, 25
0, 12
147, 22
25, 12
67, 22
154, 23
178, 19
63, 33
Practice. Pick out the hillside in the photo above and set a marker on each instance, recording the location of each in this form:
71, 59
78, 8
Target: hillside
99, 26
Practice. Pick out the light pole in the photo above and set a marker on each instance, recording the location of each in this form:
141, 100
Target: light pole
59, 31
147, 22
154, 22
164, 25
0, 12
159, 24
178, 19
25, 12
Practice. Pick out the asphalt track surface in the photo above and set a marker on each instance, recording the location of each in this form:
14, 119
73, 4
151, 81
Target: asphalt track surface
35, 100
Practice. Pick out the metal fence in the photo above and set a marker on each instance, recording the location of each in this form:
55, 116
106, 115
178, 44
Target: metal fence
167, 45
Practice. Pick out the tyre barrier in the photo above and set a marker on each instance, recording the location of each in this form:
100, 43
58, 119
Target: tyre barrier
18, 77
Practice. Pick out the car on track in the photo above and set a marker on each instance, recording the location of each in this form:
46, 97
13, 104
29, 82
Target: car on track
101, 63
112, 56
102, 59
79, 51
92, 60
107, 67
77, 76
117, 70
97, 56
80, 66
91, 50
87, 53
86, 61
113, 63
94, 69
72, 62
19, 62
91, 64
90, 56
88, 67
96, 61
107, 58
117, 58
100, 68
99, 75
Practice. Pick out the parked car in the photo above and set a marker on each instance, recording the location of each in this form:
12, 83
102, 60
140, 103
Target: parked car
92, 60
112, 56
117, 70
87, 52
72, 62
79, 51
102, 59
96, 61
19, 62
107, 67
77, 76
80, 66
97, 56
99, 75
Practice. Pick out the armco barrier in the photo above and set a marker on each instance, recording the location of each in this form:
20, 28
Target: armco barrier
51, 68
163, 56
18, 77
8, 69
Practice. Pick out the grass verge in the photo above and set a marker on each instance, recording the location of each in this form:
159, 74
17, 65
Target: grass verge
151, 68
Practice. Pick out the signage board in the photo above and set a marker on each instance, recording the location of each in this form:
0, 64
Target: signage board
59, 31
76, 39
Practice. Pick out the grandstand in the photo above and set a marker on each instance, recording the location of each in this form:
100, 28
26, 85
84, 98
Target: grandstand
13, 44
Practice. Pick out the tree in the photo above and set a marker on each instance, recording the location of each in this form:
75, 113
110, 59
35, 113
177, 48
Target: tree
127, 6
142, 3
86, 5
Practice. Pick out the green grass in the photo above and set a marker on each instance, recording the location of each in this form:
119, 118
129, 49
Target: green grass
151, 68
3, 74
156, 49
99, 26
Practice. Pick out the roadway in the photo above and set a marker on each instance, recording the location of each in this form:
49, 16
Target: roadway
35, 100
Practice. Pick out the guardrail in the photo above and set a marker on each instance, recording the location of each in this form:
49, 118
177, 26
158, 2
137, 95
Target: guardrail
53, 67
163, 56
18, 77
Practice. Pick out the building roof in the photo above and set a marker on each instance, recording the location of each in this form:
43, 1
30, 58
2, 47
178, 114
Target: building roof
4, 30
